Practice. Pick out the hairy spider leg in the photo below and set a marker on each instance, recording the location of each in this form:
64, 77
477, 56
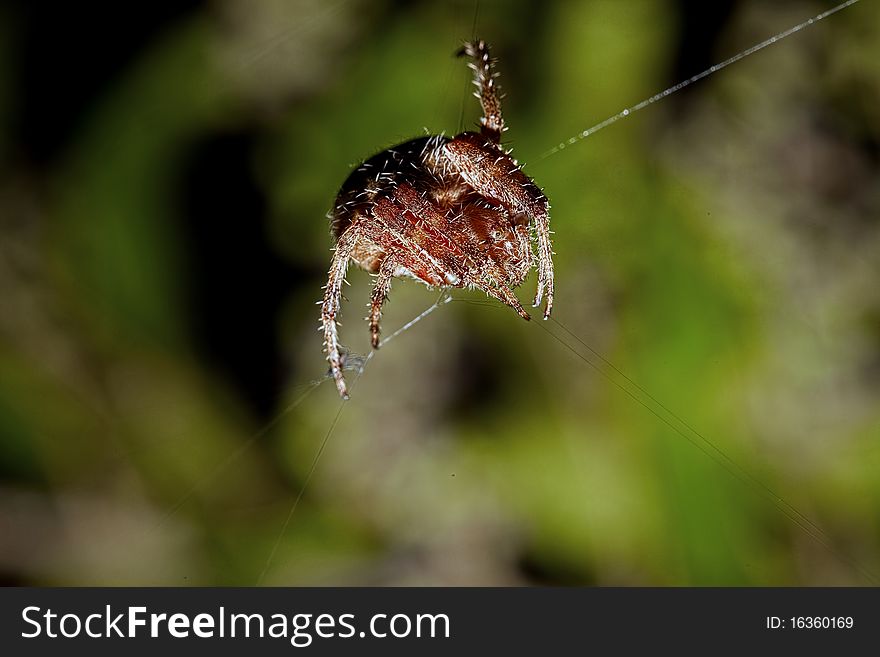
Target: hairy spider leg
417, 257
421, 221
482, 64
545, 262
362, 228
496, 175
380, 294
330, 306
481, 271
391, 234
525, 246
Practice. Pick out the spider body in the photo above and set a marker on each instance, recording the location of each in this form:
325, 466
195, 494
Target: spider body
449, 212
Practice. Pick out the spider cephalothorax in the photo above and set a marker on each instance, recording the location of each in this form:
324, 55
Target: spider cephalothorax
450, 212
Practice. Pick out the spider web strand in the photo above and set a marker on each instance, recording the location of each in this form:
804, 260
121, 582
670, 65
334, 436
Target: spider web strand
302, 490
715, 453
677, 418
237, 453
629, 111
444, 298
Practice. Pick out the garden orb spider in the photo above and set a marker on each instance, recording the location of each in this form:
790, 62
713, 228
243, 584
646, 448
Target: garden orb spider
449, 212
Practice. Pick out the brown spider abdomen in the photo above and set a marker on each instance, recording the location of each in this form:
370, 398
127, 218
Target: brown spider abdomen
379, 175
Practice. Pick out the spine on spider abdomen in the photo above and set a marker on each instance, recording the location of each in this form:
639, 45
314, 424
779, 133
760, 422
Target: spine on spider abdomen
402, 163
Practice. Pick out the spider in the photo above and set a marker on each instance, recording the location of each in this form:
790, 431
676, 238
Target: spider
449, 212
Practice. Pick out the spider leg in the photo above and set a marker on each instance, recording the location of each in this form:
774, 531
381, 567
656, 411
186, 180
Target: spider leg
545, 263
492, 123
380, 294
500, 290
428, 253
419, 220
330, 304
496, 175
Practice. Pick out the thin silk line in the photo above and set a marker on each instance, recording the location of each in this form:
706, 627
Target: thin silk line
629, 111
443, 299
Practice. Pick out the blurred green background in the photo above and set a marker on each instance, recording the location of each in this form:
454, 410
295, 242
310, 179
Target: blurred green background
165, 172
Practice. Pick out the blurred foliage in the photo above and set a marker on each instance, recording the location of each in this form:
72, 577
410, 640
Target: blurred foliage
720, 248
